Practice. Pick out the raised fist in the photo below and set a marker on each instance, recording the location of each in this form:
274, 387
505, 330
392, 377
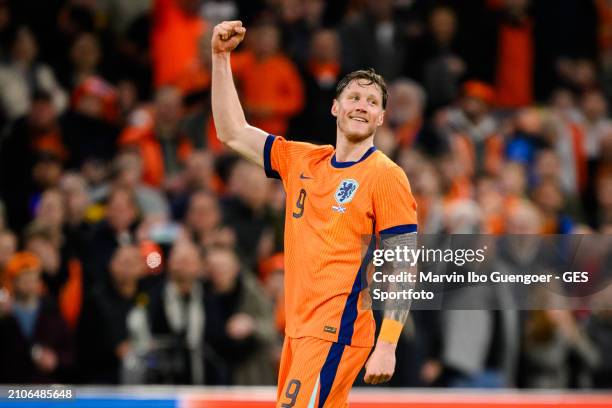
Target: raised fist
226, 36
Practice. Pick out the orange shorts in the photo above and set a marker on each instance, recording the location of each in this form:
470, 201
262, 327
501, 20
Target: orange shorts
317, 373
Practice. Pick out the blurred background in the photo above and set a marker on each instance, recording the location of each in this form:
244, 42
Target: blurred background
135, 249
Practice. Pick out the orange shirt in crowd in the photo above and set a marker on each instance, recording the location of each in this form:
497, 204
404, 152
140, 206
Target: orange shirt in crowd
492, 158
174, 40
71, 294
272, 85
50, 142
407, 133
195, 77
515, 62
140, 133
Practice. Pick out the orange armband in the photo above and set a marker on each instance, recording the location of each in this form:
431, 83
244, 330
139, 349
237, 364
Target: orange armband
390, 331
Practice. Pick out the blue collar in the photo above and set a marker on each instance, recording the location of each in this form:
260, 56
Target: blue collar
341, 165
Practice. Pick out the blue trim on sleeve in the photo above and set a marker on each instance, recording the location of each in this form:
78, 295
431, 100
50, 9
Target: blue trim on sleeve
270, 173
400, 229
329, 370
341, 165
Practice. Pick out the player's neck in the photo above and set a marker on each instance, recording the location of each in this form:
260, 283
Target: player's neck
349, 151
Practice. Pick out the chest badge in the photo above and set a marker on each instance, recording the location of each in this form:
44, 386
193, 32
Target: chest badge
344, 194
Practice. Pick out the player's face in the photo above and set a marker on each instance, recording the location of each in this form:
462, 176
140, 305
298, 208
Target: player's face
358, 110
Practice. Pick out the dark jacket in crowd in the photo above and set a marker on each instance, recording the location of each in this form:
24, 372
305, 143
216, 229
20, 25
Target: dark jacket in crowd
239, 362
16, 347
102, 327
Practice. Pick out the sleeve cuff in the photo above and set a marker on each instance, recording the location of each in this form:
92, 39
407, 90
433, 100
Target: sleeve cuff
267, 158
399, 229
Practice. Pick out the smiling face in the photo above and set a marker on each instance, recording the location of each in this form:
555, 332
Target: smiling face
359, 110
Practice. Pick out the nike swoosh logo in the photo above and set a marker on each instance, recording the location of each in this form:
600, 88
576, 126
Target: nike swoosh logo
303, 177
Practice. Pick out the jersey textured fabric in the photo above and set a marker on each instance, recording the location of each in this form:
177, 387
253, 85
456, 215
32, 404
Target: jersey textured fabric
331, 207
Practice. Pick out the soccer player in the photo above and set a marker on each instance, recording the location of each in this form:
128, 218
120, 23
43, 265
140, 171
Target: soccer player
334, 197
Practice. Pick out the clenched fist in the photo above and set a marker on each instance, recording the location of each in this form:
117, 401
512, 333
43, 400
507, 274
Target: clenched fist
226, 36
381, 364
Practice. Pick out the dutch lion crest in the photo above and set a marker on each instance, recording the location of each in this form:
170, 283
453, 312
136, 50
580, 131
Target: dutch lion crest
346, 191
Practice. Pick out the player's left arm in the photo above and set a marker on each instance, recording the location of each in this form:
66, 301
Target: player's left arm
393, 201
381, 364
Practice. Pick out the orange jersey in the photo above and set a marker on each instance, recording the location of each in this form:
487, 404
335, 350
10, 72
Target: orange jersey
331, 206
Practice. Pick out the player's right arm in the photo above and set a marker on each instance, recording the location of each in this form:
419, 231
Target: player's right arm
230, 122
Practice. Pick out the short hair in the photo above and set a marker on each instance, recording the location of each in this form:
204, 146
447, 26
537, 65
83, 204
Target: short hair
368, 75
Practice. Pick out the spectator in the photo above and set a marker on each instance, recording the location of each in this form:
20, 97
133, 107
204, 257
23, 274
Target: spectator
491, 201
596, 127
203, 221
42, 242
300, 20
23, 75
127, 173
85, 56
480, 347
176, 28
436, 58
405, 112
199, 174
105, 319
427, 192
196, 76
567, 136
36, 136
269, 81
134, 50
320, 73
94, 112
473, 130
50, 215
77, 232
176, 314
547, 195
155, 131
515, 56
547, 166
34, 342
194, 84
526, 137
374, 39
122, 14
595, 110
550, 337
239, 325
77, 226
116, 229
247, 212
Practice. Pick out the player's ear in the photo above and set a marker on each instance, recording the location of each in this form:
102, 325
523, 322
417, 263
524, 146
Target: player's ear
380, 119
334, 108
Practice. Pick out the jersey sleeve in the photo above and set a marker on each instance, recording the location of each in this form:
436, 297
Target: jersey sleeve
281, 154
395, 208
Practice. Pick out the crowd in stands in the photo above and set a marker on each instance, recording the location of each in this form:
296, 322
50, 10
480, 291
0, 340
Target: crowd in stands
136, 249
